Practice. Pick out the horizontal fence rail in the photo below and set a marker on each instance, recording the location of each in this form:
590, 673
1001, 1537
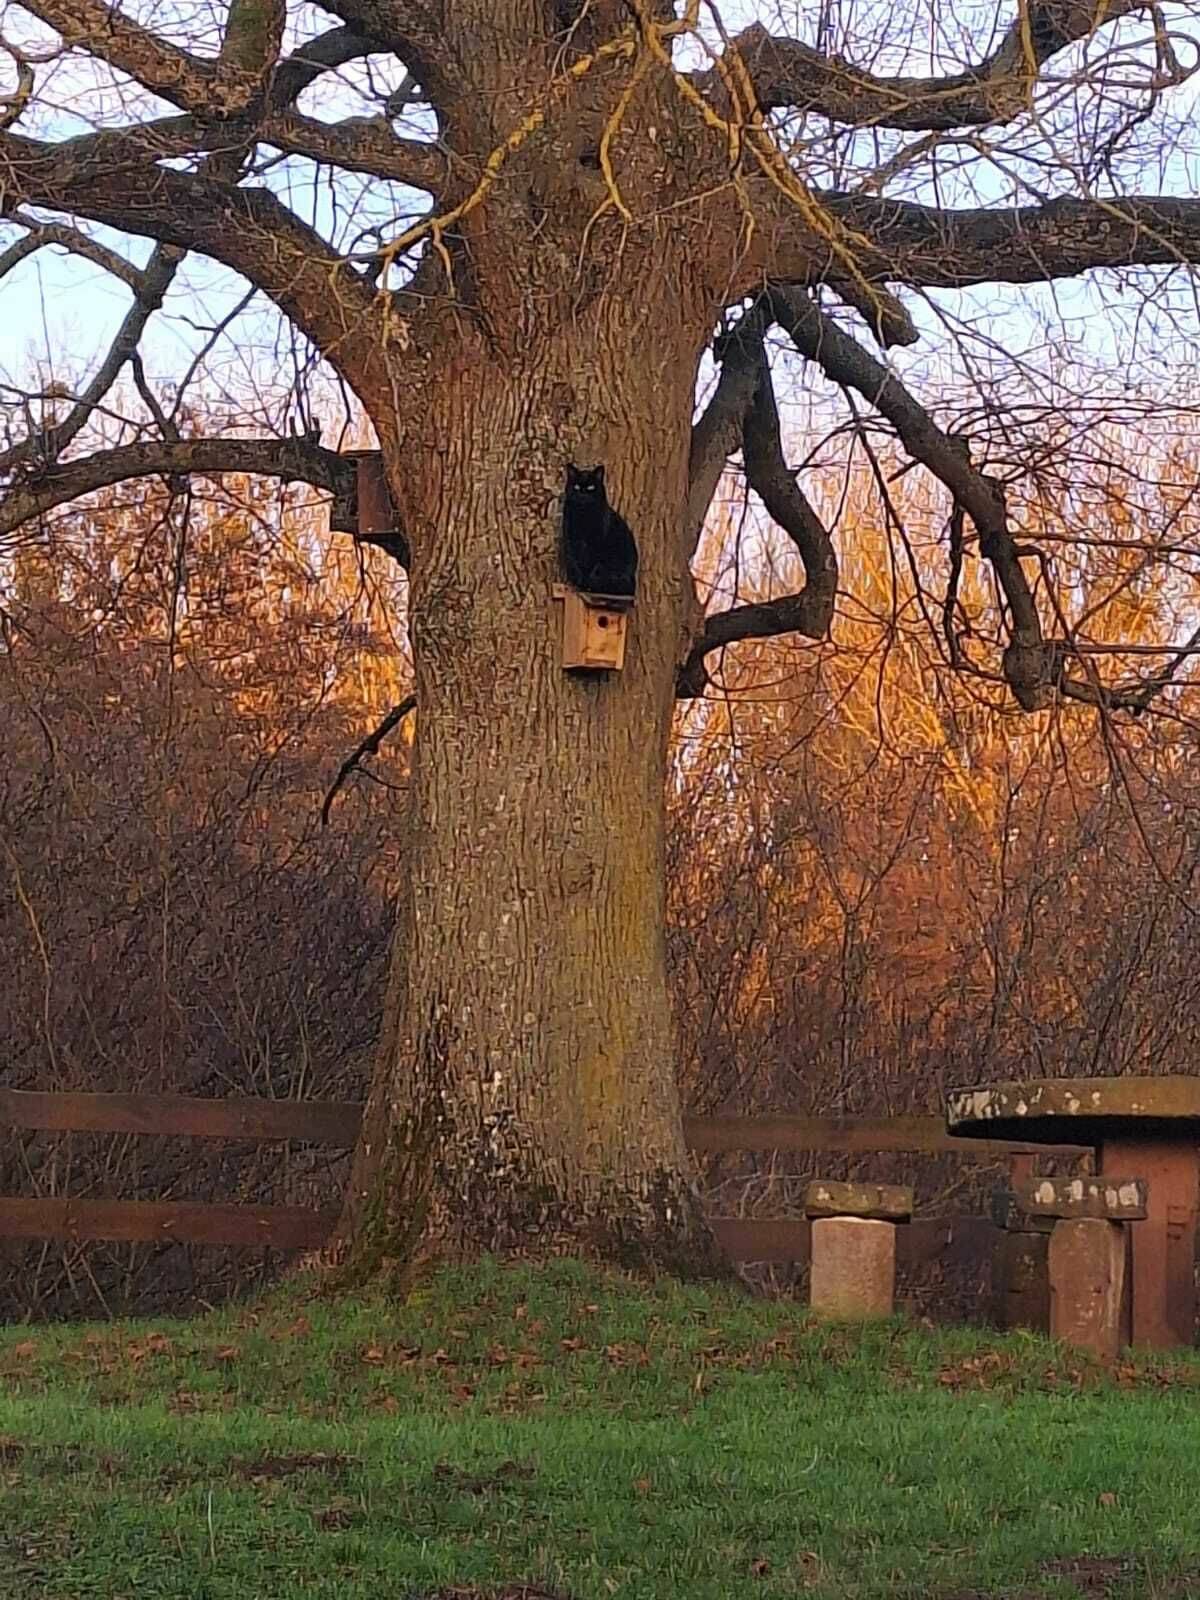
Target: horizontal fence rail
337, 1122
182, 1116
950, 1241
786, 1239
165, 1221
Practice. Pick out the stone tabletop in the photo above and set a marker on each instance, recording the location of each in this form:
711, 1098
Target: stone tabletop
1092, 1109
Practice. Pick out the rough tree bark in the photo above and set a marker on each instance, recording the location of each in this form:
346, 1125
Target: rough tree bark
526, 1099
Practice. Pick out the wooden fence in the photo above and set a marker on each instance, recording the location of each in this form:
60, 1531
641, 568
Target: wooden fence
950, 1240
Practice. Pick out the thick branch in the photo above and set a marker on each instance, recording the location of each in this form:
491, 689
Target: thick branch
411, 30
1035, 668
359, 144
786, 72
845, 362
328, 51
249, 229
297, 460
13, 106
902, 242
718, 431
250, 49
789, 613
207, 87
809, 612
888, 320
775, 484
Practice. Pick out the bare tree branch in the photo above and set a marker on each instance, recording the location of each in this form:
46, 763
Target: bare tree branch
775, 484
718, 431
413, 31
248, 229
786, 72
887, 318
369, 747
845, 361
899, 241
250, 49
14, 105
328, 51
185, 80
810, 611
1034, 667
299, 460
42, 449
44, 234
358, 144
767, 619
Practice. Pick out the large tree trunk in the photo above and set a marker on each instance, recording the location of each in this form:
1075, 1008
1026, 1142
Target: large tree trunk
525, 1098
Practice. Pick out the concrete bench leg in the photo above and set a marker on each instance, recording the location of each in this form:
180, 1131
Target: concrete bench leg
1087, 1281
1020, 1282
853, 1268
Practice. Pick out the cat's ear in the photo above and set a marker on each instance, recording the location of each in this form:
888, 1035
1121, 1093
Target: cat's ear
573, 474
598, 475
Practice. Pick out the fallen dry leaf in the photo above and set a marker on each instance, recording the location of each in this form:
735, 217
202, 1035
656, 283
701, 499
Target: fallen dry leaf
300, 1329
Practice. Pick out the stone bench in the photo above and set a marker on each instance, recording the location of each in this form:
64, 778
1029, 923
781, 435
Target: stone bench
853, 1246
1066, 1256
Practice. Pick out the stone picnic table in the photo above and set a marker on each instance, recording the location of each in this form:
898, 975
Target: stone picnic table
1141, 1127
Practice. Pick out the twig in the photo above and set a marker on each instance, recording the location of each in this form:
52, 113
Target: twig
369, 747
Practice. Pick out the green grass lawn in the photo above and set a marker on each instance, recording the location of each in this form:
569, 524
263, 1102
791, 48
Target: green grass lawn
563, 1428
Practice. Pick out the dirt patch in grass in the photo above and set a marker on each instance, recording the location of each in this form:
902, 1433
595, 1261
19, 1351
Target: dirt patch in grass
265, 1467
510, 1591
1092, 1578
1096, 1577
500, 1477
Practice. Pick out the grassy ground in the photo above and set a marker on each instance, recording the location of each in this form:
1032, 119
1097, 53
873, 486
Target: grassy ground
564, 1429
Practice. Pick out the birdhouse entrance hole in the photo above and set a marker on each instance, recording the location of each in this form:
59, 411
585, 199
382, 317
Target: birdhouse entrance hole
594, 628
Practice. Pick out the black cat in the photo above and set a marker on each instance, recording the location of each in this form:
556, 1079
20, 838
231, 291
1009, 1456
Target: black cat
599, 554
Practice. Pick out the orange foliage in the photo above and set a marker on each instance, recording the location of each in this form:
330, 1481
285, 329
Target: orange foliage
884, 879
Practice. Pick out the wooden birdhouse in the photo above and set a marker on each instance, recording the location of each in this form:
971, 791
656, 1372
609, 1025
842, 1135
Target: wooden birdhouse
369, 509
594, 628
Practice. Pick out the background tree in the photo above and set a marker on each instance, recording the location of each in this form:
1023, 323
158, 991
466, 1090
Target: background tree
612, 185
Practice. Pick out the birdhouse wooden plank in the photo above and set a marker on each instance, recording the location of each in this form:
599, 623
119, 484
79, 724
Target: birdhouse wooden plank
594, 630
370, 510
376, 513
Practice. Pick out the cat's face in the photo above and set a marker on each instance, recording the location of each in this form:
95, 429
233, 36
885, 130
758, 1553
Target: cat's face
586, 482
